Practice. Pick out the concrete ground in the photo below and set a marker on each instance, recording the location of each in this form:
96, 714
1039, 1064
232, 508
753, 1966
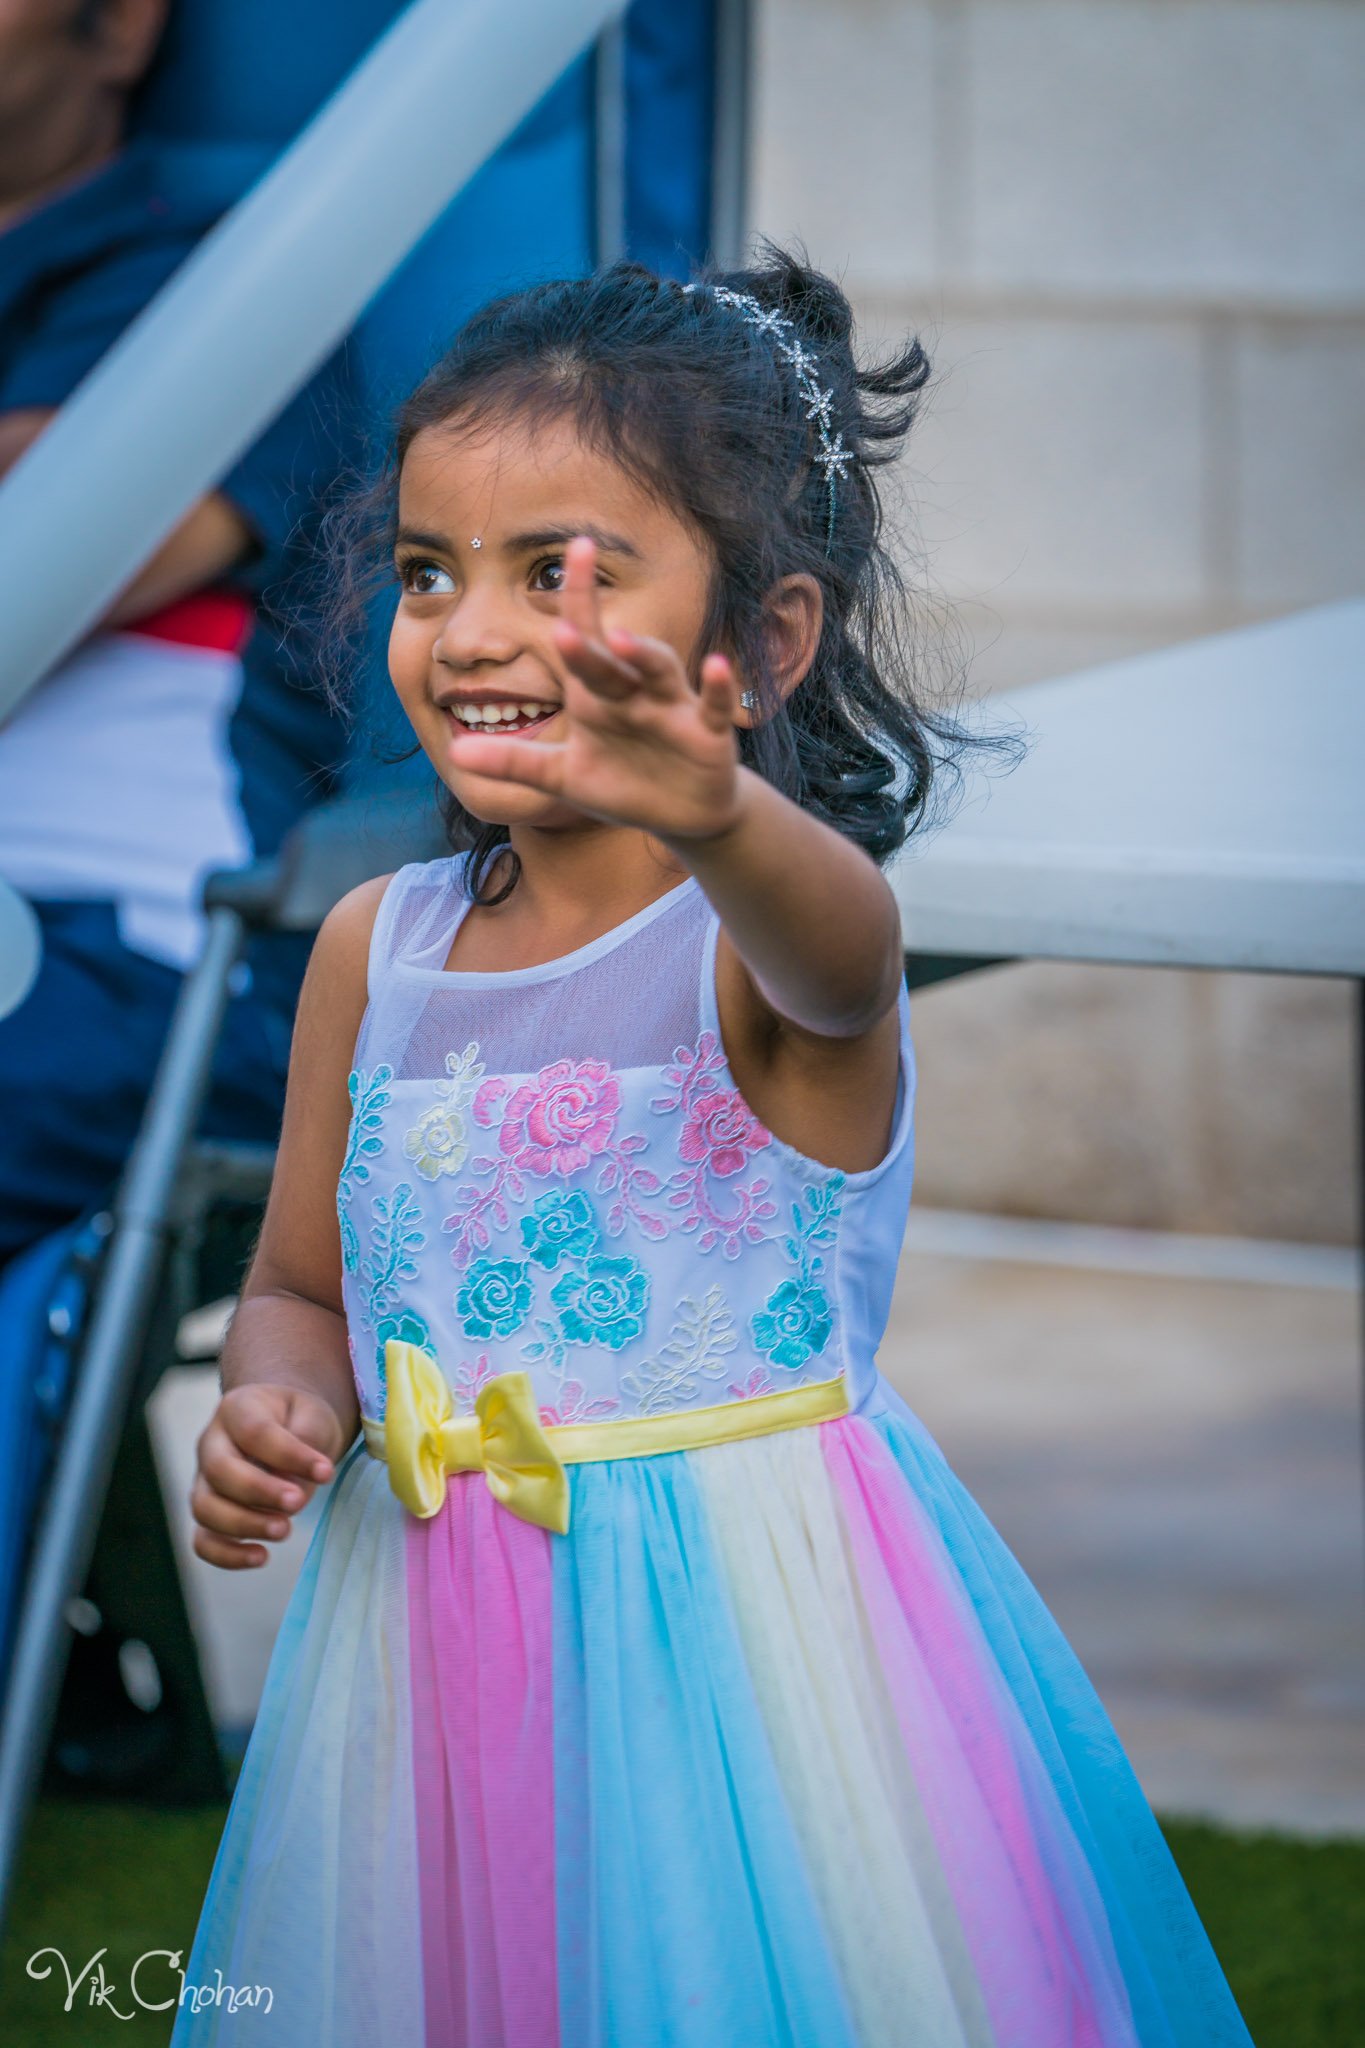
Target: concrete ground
1175, 1460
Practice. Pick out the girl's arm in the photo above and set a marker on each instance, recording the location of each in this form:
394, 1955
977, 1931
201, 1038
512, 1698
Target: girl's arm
807, 913
808, 971
809, 964
288, 1409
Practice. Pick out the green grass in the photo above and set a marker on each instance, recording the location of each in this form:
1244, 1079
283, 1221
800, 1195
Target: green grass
1287, 1918
103, 1876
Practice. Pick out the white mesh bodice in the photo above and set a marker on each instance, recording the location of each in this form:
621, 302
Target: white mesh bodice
551, 1170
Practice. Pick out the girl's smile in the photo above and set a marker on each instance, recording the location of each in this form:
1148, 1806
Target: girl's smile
472, 646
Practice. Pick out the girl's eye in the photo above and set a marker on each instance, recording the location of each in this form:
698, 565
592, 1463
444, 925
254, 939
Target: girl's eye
426, 579
548, 575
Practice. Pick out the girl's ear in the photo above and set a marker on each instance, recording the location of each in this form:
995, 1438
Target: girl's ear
793, 614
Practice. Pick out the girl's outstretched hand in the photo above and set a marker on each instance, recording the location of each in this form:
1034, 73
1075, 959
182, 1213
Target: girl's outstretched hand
265, 1449
640, 745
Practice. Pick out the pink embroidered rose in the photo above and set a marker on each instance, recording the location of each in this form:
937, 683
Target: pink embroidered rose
557, 1122
721, 1130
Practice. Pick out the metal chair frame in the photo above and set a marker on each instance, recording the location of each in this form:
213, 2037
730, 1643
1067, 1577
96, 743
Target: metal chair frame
171, 1185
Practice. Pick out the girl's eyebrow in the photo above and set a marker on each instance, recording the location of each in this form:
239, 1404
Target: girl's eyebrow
560, 536
417, 537
525, 543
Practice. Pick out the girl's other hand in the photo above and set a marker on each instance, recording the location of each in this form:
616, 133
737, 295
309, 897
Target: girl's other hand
260, 1457
640, 744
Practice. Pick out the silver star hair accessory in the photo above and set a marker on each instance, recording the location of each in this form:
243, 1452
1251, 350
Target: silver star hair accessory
833, 457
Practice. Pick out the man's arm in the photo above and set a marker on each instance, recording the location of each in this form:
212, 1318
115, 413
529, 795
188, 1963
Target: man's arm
212, 538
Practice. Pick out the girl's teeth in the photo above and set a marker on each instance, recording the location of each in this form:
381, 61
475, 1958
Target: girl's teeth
501, 714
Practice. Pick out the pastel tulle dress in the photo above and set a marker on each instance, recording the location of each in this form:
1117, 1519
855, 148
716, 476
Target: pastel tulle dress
765, 1742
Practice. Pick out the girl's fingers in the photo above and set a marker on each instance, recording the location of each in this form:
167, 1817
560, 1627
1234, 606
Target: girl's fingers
223, 1516
611, 663
719, 692
238, 1477
268, 1442
536, 763
581, 605
661, 674
594, 663
222, 1550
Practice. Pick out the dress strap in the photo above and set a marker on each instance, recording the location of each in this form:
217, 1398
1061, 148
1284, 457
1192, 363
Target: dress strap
417, 906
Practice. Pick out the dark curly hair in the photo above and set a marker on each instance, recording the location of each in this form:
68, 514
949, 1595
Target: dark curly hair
702, 410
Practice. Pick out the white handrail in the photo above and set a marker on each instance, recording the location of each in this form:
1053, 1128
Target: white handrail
262, 301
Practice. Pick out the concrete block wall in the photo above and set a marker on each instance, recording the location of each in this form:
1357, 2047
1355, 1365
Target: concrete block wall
1132, 233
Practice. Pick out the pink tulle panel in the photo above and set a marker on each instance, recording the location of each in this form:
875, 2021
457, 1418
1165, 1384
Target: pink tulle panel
483, 1750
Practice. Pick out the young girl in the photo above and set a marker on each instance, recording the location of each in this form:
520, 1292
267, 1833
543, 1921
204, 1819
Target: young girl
649, 1678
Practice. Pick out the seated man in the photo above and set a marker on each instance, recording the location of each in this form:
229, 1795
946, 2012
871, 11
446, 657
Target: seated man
183, 735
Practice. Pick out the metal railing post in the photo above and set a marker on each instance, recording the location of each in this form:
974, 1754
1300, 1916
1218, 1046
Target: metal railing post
64, 1536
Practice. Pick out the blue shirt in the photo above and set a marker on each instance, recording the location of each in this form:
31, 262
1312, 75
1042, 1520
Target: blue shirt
73, 273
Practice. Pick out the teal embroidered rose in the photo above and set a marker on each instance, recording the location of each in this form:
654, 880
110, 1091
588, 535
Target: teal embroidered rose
604, 1303
793, 1323
560, 1226
403, 1329
495, 1298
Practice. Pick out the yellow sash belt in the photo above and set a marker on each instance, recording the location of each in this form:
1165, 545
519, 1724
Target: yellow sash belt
522, 1458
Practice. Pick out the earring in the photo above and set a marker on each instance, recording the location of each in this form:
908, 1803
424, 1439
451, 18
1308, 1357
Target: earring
748, 700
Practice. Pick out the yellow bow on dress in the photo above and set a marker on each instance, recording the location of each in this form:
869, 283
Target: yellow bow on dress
423, 1439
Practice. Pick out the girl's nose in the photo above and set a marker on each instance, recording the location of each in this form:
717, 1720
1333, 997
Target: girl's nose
480, 628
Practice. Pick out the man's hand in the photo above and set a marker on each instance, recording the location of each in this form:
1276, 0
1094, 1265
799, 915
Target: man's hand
211, 539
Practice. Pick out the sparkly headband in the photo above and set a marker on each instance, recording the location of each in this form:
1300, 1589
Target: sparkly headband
832, 457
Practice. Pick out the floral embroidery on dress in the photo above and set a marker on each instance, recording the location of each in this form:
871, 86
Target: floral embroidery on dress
634, 1185
467, 1379
495, 1298
604, 1303
573, 1405
396, 1235
403, 1329
370, 1097
721, 1129
700, 1341
556, 1123
718, 1135
795, 1322
560, 1225
439, 1140
757, 1381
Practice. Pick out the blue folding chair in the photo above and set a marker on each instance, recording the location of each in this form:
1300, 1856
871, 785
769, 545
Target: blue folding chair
641, 144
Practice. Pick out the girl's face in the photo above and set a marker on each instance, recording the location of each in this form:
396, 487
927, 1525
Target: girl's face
471, 640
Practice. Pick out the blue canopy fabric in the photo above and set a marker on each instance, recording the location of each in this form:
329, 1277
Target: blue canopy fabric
252, 73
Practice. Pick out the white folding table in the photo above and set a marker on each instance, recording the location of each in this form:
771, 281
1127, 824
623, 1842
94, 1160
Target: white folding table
1203, 806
